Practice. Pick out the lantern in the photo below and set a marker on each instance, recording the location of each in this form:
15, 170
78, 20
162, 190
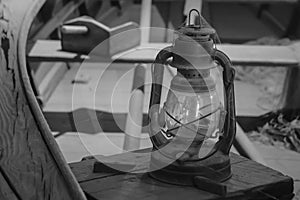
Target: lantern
193, 130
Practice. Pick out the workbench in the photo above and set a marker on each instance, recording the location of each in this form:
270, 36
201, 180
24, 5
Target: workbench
250, 180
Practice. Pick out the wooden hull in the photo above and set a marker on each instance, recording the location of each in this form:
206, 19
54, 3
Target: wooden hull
32, 166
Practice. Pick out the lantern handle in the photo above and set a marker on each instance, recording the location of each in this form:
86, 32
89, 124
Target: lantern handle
189, 16
230, 120
157, 77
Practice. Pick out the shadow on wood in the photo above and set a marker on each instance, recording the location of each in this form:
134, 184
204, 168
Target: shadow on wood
89, 121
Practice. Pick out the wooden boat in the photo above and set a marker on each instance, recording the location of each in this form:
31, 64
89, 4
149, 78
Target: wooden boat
31, 164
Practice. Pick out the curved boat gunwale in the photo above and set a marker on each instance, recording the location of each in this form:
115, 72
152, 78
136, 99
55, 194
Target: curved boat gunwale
75, 189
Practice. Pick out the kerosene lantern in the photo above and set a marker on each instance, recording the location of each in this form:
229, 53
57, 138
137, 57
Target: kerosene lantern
193, 130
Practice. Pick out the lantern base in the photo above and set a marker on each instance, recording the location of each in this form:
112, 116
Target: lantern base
216, 168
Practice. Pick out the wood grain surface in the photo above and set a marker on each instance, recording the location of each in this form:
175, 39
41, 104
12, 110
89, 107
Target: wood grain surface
250, 180
31, 164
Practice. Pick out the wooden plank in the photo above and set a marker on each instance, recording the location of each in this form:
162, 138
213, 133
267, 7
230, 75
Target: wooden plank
31, 162
134, 121
100, 80
250, 180
77, 145
145, 20
6, 192
260, 55
252, 55
60, 104
64, 102
245, 147
51, 80
64, 121
83, 170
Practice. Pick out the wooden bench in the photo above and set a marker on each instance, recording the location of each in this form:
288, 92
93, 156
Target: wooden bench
250, 55
250, 180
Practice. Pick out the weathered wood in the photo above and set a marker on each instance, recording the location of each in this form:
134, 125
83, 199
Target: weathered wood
32, 166
250, 180
6, 192
109, 122
83, 170
252, 55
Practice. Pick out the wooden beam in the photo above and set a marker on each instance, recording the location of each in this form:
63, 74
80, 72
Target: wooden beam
109, 122
51, 80
145, 20
32, 166
245, 147
250, 55
134, 121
